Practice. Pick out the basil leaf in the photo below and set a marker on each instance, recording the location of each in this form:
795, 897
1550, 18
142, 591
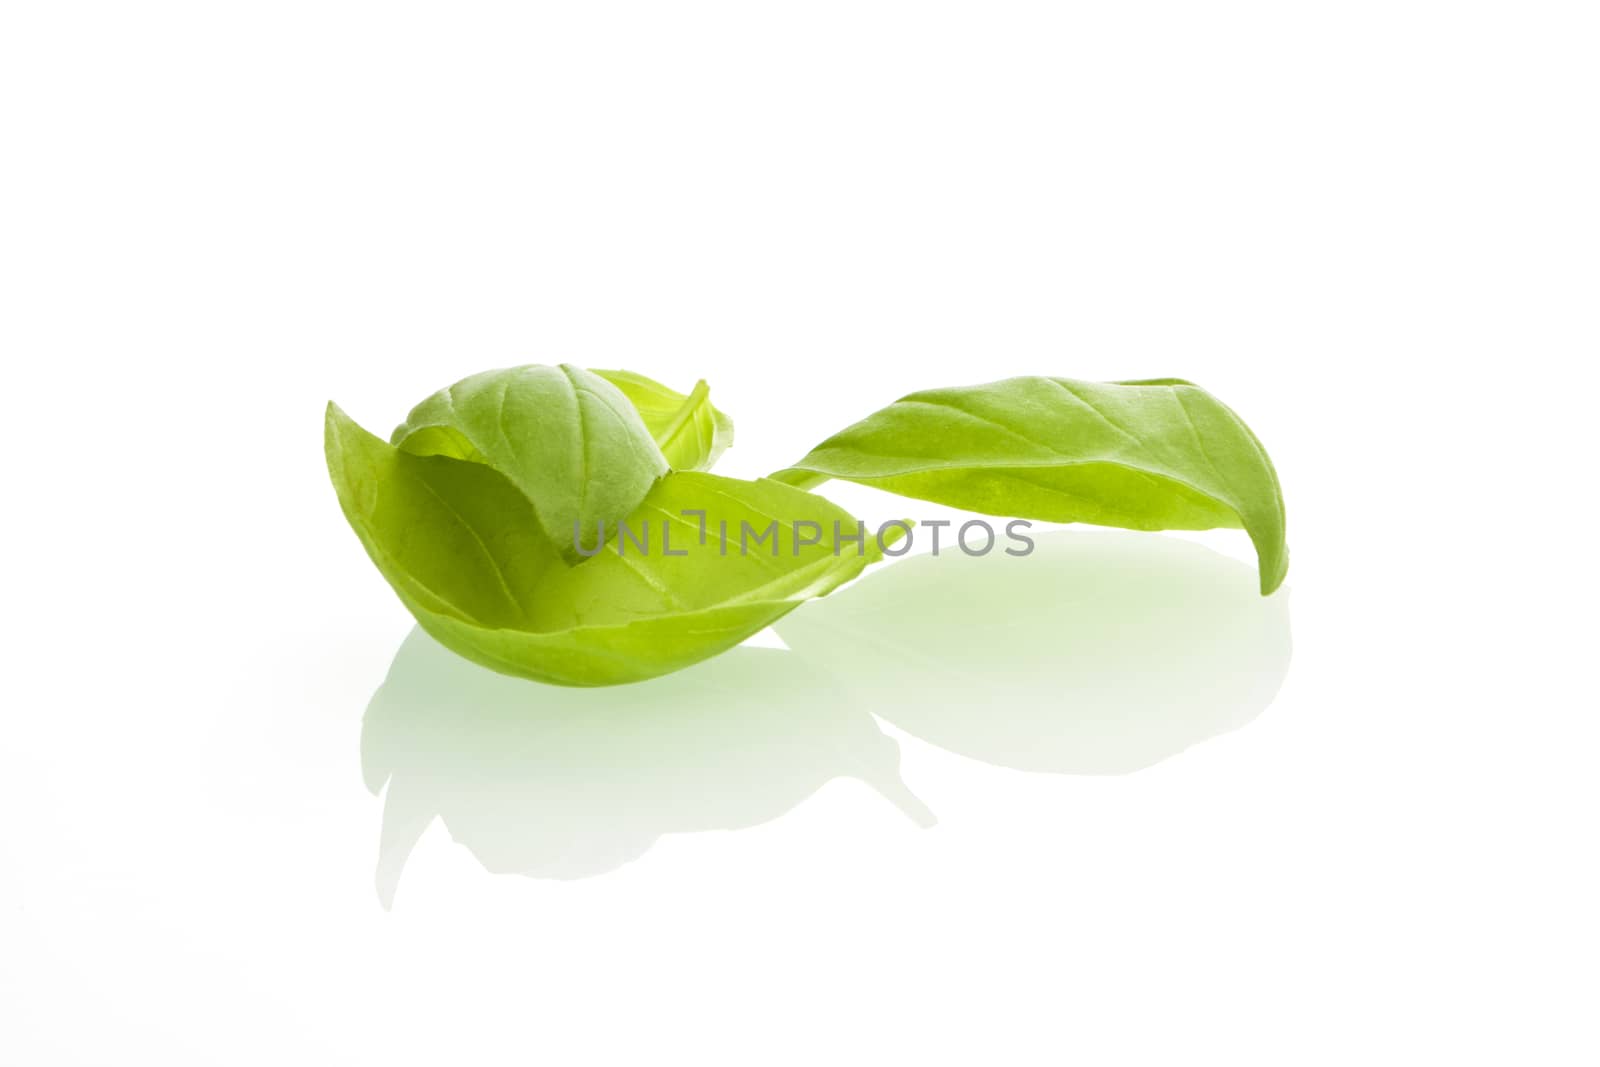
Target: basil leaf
1151, 455
566, 438
688, 430
459, 544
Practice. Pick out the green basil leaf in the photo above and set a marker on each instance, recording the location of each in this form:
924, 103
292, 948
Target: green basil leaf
1151, 455
688, 430
566, 438
459, 544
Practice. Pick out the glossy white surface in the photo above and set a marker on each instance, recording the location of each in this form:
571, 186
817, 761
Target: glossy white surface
1370, 229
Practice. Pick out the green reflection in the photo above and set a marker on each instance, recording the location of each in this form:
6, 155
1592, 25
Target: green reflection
565, 783
1100, 653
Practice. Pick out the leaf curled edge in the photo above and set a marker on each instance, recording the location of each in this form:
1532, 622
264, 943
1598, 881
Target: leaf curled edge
460, 546
568, 439
690, 432
1161, 454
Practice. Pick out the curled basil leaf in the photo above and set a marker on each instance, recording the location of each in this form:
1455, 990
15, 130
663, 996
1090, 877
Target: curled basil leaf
569, 440
460, 544
502, 508
1148, 455
688, 430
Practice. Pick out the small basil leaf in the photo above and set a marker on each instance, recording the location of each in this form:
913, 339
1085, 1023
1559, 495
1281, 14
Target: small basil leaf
566, 438
1157, 455
688, 430
458, 543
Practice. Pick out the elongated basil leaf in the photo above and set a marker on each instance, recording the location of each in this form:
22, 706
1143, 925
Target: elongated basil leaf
688, 430
566, 438
459, 543
1151, 455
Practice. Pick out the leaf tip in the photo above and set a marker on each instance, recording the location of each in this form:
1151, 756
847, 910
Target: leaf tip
334, 417
1273, 571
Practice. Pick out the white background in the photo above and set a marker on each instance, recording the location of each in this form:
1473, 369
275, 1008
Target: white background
1371, 228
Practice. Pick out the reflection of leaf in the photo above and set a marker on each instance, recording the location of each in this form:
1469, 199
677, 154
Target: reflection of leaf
1102, 652
566, 438
689, 431
1156, 455
566, 783
459, 544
